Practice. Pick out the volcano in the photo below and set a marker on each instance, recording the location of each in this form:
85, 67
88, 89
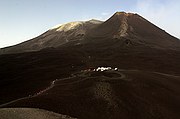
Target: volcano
121, 25
59, 70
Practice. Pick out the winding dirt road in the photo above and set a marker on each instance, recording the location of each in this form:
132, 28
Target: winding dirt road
84, 77
36, 94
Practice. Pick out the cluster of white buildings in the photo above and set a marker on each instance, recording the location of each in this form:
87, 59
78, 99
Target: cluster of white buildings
100, 69
105, 69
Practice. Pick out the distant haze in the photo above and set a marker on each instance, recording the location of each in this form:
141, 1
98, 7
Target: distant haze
22, 20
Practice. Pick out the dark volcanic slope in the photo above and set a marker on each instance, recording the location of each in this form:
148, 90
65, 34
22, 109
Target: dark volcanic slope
148, 56
148, 95
29, 113
127, 94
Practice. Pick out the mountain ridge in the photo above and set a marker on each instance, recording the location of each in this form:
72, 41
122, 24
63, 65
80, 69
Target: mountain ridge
121, 25
54, 37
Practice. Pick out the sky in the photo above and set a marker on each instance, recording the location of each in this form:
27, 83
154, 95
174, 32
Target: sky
21, 20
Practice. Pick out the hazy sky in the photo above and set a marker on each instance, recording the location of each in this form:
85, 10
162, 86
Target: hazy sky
21, 20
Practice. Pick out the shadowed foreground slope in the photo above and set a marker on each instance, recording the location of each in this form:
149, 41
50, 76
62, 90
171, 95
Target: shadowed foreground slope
29, 113
127, 94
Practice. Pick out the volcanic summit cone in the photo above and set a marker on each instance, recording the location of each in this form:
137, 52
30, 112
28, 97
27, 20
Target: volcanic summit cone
135, 28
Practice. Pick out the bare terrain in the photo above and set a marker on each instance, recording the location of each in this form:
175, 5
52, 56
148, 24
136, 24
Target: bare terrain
29, 113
